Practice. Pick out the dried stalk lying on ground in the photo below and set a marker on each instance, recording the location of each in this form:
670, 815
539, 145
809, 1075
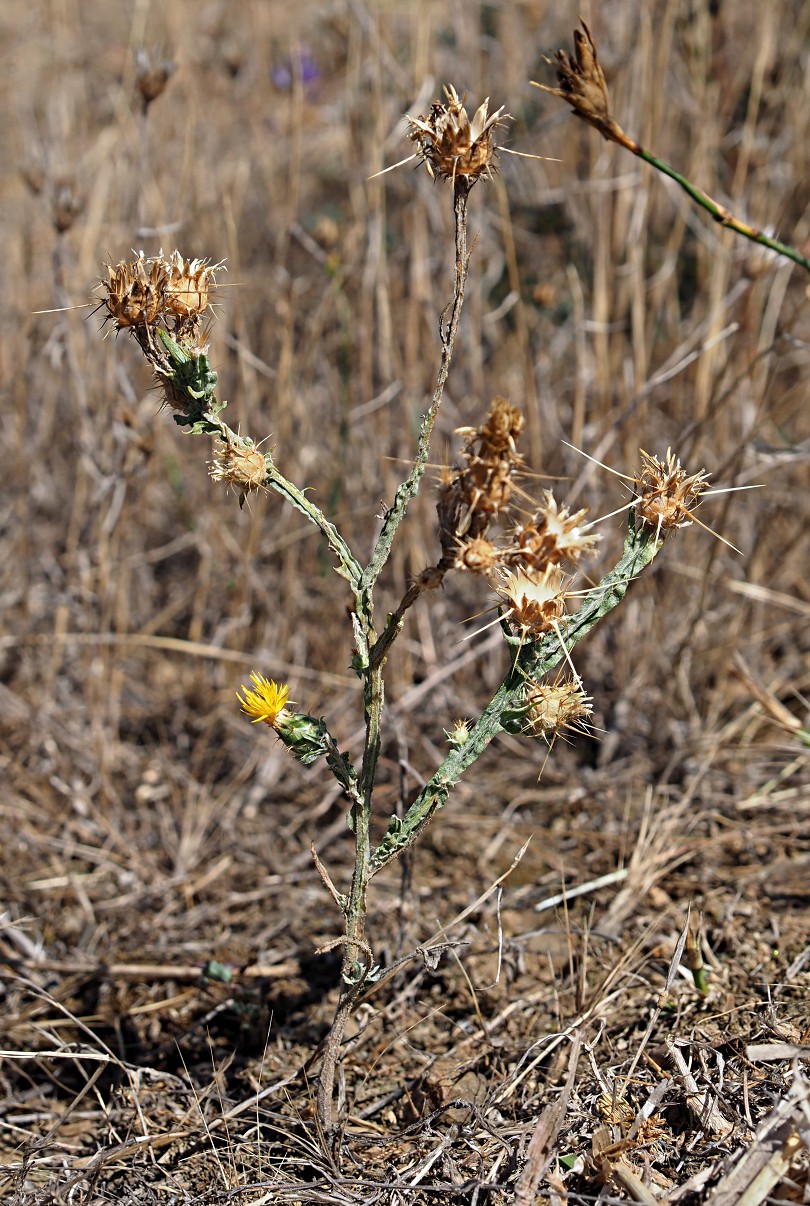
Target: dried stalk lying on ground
529, 553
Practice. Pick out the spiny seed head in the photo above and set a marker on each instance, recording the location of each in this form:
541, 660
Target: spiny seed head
142, 291
189, 285
135, 291
536, 598
553, 707
553, 535
451, 145
499, 435
238, 463
664, 492
479, 555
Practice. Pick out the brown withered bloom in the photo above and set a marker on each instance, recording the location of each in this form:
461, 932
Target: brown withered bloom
152, 74
665, 493
486, 485
491, 459
480, 489
135, 291
551, 536
173, 290
451, 145
499, 434
582, 84
189, 285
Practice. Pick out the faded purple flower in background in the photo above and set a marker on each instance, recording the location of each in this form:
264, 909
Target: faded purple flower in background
300, 65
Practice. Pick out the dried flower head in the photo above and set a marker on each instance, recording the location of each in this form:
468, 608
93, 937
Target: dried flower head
486, 485
238, 463
480, 489
152, 74
479, 555
499, 435
174, 290
451, 145
536, 599
135, 291
582, 84
267, 702
664, 493
553, 535
189, 285
552, 707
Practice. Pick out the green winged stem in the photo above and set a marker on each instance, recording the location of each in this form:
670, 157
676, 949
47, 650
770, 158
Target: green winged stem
529, 659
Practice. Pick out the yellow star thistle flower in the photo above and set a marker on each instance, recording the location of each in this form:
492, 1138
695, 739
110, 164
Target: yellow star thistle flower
267, 702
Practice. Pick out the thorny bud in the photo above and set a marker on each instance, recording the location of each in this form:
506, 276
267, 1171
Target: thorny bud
582, 84
238, 463
267, 702
550, 708
183, 371
479, 555
152, 74
664, 493
451, 145
306, 737
536, 599
432, 577
459, 735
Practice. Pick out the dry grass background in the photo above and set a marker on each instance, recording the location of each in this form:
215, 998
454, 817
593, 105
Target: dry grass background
147, 829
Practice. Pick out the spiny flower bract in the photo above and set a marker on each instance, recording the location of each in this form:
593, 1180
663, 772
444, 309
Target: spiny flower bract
237, 462
553, 707
536, 598
665, 493
552, 535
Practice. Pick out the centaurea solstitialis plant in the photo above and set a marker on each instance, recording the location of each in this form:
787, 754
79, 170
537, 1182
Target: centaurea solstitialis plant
527, 549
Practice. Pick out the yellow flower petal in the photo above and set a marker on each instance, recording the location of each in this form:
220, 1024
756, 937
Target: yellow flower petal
265, 703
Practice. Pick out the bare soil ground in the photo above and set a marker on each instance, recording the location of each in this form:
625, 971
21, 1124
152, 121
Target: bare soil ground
163, 998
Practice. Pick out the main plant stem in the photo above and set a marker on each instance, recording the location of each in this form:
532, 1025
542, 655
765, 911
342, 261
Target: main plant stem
371, 651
